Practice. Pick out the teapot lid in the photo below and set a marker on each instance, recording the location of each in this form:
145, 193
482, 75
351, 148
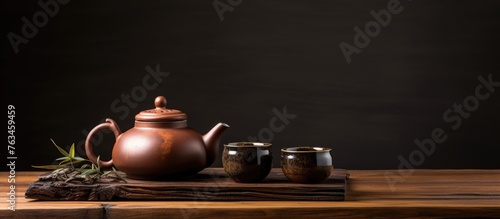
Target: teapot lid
160, 113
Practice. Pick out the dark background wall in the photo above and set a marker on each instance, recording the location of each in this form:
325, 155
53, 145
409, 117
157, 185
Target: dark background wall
263, 55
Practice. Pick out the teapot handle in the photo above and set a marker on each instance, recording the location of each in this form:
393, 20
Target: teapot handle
110, 124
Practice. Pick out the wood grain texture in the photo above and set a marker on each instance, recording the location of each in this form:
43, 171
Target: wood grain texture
211, 184
423, 194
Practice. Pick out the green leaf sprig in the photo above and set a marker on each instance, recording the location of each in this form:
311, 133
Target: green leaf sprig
68, 160
88, 173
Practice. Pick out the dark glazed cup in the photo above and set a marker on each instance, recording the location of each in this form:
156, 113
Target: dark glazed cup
247, 162
306, 164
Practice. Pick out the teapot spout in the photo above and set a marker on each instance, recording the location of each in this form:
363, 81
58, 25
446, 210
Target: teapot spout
211, 140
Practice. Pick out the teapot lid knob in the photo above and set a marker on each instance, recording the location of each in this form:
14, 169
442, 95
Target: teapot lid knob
160, 102
161, 113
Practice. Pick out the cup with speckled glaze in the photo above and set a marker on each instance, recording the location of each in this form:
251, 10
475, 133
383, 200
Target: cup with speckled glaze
306, 164
247, 162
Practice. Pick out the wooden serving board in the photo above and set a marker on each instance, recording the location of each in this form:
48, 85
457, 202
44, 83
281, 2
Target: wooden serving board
211, 184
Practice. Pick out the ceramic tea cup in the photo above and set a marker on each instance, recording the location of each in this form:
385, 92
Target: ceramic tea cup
247, 162
306, 164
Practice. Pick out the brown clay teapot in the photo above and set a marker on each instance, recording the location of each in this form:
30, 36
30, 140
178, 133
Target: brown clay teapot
160, 145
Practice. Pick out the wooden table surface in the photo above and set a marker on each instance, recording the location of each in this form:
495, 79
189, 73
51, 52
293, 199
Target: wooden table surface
424, 193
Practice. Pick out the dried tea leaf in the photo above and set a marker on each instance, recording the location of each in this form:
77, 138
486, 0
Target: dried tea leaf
90, 172
85, 166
